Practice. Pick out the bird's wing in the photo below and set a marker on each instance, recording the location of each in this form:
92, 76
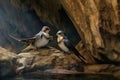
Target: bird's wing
25, 40
73, 49
40, 34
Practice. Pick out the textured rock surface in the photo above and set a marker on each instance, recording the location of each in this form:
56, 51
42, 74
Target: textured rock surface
49, 61
6, 66
94, 18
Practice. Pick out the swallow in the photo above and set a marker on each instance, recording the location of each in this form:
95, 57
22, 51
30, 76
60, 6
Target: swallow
41, 39
66, 46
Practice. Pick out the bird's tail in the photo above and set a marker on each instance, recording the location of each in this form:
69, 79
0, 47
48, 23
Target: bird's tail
80, 56
27, 40
17, 39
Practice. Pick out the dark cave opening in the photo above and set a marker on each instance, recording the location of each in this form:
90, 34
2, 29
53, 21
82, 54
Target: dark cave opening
69, 28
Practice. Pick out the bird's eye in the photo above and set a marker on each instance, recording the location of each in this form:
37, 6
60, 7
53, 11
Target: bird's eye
59, 33
47, 29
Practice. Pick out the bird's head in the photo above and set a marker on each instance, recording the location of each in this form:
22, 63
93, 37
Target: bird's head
45, 29
60, 33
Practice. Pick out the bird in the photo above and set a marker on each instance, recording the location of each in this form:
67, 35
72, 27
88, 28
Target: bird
66, 46
41, 39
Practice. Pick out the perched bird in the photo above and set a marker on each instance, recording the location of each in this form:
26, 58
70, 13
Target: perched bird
41, 39
66, 45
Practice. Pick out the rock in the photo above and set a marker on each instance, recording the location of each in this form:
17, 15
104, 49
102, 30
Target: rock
99, 68
53, 61
117, 74
49, 61
6, 66
45, 60
61, 71
6, 69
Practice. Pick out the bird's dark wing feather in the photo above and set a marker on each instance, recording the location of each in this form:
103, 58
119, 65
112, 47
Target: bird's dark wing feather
40, 34
25, 40
72, 48
28, 40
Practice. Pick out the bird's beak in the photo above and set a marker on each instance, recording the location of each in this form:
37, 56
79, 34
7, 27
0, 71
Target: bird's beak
47, 31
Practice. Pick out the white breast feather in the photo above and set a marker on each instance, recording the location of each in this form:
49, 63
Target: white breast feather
62, 45
41, 42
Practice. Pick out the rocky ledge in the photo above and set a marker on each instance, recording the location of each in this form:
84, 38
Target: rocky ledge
49, 61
